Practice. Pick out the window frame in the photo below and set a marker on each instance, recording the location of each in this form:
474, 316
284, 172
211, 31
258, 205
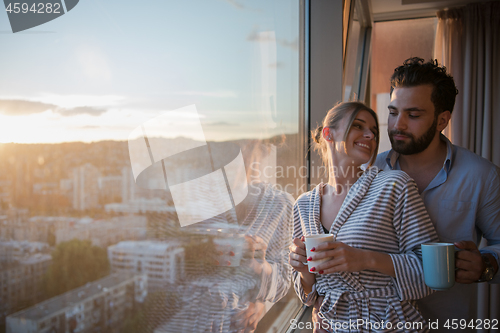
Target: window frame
323, 54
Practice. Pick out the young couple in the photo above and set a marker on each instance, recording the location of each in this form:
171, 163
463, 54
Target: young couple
374, 273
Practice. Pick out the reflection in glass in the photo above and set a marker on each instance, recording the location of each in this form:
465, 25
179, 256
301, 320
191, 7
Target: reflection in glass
152, 144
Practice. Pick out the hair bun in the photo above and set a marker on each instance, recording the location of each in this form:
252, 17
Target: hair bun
317, 134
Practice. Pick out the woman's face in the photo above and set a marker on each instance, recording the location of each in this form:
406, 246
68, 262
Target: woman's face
360, 142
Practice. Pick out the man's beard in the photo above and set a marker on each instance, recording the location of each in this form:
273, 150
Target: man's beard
415, 146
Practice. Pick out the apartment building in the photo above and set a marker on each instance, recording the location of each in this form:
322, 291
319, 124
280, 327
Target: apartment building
34, 229
20, 282
12, 224
85, 187
110, 188
140, 205
105, 232
102, 305
15, 251
163, 262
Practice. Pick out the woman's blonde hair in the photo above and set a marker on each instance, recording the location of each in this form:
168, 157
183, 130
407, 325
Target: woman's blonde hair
332, 120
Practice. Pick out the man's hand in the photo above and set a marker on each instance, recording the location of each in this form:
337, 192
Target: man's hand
468, 262
246, 321
320, 326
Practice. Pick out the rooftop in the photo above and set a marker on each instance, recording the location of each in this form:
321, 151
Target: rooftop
56, 304
147, 246
36, 258
33, 259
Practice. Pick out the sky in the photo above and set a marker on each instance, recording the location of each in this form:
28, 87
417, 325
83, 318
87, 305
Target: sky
101, 70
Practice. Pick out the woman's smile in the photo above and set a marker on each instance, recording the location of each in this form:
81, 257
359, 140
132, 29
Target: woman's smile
364, 145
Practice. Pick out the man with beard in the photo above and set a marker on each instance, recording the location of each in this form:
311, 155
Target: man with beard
461, 190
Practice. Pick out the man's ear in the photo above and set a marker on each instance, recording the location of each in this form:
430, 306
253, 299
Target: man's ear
443, 119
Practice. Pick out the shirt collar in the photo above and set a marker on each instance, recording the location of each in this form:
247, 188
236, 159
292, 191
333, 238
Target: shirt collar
392, 157
449, 153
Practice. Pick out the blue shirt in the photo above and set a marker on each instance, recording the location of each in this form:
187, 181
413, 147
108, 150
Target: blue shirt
463, 201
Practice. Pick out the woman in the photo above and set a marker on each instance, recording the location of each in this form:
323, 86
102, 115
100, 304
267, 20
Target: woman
378, 221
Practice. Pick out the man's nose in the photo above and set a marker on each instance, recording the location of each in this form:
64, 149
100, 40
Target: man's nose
400, 123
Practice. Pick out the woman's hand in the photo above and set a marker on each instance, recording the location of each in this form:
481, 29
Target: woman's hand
344, 258
255, 252
297, 256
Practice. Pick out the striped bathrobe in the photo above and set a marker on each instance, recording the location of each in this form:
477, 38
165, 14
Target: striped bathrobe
213, 295
382, 212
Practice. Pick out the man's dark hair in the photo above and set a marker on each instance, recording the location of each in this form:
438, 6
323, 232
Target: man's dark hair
415, 72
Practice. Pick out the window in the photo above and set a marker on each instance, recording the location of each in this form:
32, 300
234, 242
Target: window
358, 32
216, 80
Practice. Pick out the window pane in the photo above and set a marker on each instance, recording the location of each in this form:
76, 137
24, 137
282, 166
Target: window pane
392, 43
350, 70
150, 159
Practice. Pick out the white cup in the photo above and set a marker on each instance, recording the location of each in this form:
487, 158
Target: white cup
313, 241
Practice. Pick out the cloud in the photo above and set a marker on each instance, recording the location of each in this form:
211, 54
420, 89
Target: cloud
236, 4
294, 44
221, 123
72, 101
87, 127
13, 107
277, 64
239, 5
221, 94
258, 36
93, 111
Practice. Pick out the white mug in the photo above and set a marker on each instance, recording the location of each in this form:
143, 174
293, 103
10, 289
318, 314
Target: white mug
313, 241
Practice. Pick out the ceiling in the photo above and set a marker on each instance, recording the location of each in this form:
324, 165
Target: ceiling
384, 10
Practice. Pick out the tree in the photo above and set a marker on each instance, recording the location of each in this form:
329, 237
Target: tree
156, 310
74, 264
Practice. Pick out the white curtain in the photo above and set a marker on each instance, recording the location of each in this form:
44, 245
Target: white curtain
468, 44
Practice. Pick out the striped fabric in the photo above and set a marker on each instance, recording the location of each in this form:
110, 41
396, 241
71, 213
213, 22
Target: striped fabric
213, 295
382, 212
